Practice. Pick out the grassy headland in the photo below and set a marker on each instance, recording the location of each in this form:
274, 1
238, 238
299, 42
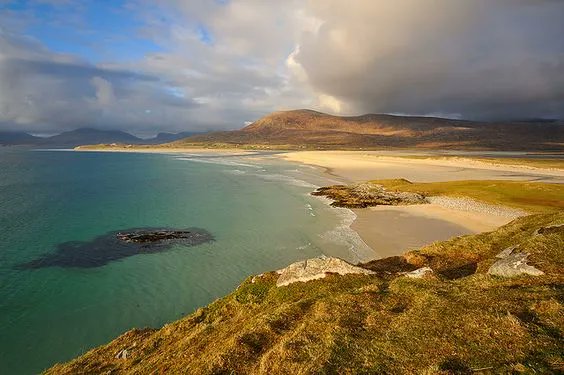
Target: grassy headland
458, 320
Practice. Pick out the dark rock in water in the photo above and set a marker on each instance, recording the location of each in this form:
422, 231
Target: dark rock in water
117, 245
151, 236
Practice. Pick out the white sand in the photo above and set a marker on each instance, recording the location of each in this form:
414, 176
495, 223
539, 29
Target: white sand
369, 165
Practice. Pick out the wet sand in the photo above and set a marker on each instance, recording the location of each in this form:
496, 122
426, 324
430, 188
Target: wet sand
392, 230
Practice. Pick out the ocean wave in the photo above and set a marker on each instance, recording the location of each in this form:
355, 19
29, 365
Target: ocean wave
236, 172
287, 179
303, 247
310, 209
344, 235
220, 161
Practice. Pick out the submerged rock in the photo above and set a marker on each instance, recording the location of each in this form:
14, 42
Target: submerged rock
366, 195
513, 264
316, 268
113, 246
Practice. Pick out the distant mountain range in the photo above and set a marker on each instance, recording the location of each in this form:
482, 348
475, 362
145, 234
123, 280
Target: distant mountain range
84, 136
307, 129
311, 129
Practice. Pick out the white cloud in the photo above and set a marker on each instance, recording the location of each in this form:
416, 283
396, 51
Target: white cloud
104, 91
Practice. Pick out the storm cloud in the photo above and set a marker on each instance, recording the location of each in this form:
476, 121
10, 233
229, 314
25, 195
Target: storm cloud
220, 64
472, 59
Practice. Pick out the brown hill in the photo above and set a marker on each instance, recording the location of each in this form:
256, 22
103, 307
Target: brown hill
311, 129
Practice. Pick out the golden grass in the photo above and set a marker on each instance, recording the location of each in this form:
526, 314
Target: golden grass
529, 196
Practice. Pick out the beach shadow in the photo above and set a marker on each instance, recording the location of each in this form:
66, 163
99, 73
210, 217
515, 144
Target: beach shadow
115, 245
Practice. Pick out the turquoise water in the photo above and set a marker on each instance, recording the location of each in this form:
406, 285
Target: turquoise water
257, 208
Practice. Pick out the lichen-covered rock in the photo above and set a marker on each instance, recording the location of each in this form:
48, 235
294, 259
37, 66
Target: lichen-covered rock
316, 268
512, 265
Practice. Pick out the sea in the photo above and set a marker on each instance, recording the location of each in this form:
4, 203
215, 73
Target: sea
58, 208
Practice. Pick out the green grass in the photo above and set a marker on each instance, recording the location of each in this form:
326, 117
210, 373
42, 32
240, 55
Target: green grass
382, 323
530, 196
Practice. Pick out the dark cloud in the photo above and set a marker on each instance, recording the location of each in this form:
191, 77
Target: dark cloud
475, 59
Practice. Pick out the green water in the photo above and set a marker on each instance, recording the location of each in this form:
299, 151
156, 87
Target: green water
258, 210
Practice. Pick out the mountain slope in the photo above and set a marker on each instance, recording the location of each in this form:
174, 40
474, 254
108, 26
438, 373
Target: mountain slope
310, 129
87, 135
165, 137
17, 138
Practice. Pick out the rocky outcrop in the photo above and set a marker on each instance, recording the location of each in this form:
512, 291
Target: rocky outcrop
512, 264
552, 229
116, 245
316, 268
150, 236
366, 195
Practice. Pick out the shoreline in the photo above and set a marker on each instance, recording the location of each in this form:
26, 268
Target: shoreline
394, 230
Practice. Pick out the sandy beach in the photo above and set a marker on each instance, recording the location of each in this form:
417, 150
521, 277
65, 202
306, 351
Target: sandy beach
355, 166
392, 230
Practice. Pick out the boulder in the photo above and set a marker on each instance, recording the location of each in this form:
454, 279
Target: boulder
122, 354
512, 265
316, 268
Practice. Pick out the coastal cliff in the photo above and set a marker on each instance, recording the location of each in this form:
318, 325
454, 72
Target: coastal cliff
487, 302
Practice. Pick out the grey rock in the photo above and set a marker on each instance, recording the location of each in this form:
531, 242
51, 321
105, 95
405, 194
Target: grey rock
506, 252
122, 354
419, 273
316, 268
514, 264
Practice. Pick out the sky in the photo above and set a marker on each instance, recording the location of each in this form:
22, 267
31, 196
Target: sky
197, 65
